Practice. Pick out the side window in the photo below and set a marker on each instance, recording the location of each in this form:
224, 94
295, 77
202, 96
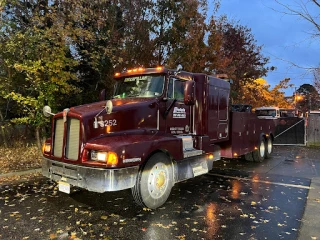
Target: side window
176, 89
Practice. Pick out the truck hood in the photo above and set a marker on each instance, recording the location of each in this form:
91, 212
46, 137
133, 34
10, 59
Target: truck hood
127, 114
92, 109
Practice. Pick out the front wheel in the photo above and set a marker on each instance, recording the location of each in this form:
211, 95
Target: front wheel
154, 182
260, 153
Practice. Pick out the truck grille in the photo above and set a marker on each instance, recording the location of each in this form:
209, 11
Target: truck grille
73, 139
58, 138
71, 148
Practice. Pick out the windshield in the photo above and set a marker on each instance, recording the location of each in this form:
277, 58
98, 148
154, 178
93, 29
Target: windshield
287, 113
271, 113
140, 86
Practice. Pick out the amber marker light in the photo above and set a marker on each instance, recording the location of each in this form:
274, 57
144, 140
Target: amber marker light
255, 148
129, 71
140, 69
46, 148
112, 158
135, 70
159, 68
210, 156
117, 74
235, 154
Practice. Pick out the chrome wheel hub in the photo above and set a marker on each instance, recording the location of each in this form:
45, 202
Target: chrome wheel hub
158, 180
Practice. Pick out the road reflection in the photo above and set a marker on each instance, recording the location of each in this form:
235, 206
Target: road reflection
211, 220
236, 189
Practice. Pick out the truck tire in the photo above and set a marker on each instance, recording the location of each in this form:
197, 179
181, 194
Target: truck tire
269, 147
154, 182
259, 154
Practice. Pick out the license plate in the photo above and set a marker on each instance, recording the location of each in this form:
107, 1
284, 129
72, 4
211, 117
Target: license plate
64, 187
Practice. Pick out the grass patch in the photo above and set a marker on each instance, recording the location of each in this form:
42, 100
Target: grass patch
19, 158
313, 145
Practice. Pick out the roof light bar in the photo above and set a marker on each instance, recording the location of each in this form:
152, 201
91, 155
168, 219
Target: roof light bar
136, 70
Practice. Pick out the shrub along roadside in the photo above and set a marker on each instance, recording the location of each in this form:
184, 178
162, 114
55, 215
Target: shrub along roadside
19, 158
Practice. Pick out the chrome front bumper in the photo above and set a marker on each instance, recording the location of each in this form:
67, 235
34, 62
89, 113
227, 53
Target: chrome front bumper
93, 179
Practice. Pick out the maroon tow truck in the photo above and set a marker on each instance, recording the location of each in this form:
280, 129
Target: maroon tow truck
161, 127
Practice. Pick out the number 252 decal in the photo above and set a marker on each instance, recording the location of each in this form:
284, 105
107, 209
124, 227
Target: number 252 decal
112, 122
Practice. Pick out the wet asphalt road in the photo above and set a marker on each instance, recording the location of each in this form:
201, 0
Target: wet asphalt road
236, 200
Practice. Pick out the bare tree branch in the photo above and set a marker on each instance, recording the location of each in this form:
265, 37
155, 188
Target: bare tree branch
316, 2
302, 10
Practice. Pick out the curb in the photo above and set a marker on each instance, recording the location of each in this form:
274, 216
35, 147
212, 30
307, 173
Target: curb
310, 224
21, 173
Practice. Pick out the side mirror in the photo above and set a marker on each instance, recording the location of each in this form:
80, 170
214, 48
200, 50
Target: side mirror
189, 93
102, 95
109, 107
47, 111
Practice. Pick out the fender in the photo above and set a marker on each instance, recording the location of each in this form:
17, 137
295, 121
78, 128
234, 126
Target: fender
135, 148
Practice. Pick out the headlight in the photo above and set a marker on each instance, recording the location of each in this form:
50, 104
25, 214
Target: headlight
99, 156
110, 158
46, 148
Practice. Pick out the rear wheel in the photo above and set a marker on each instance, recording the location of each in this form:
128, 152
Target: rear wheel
154, 182
269, 147
260, 153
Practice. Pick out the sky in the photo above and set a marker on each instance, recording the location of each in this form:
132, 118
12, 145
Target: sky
284, 38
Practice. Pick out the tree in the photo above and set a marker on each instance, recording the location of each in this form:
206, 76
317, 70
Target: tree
278, 96
257, 93
186, 37
62, 53
36, 56
50, 51
96, 32
137, 45
310, 98
239, 56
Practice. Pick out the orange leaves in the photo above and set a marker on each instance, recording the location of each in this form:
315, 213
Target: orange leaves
19, 158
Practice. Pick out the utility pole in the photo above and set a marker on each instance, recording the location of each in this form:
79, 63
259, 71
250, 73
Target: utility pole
295, 98
309, 103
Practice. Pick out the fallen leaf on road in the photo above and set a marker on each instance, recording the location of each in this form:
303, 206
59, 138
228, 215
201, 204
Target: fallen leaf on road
182, 237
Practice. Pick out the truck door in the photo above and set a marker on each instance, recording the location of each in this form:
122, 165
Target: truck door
179, 118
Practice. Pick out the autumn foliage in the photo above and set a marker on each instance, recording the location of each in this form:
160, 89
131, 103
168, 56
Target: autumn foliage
62, 53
